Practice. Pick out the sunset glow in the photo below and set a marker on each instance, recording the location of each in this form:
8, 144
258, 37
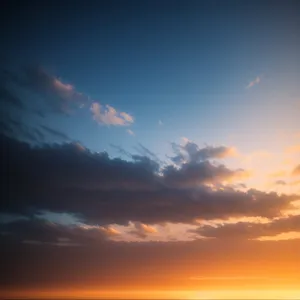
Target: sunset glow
150, 149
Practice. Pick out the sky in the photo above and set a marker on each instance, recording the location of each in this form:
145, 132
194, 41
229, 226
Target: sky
149, 146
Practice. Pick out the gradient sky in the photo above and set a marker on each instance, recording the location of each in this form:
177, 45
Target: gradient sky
150, 144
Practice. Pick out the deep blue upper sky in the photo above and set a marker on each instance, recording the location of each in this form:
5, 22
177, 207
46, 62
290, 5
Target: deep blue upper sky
186, 63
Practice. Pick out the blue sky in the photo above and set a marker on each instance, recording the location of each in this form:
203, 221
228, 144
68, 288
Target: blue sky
187, 65
212, 72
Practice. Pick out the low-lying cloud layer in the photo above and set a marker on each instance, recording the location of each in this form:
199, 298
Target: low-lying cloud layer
249, 230
100, 191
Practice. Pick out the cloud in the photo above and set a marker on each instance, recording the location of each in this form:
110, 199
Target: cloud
61, 97
142, 230
132, 265
144, 151
109, 116
130, 132
160, 122
297, 182
38, 231
278, 174
280, 182
249, 230
191, 174
12, 127
228, 278
281, 236
31, 134
127, 117
191, 153
296, 171
55, 133
9, 98
58, 243
254, 82
48, 94
10, 218
108, 231
104, 191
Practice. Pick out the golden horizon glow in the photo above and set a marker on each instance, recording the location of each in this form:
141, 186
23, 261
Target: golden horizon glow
161, 294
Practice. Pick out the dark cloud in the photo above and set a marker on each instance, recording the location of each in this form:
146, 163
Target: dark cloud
55, 133
121, 150
193, 174
31, 134
9, 99
61, 97
33, 84
247, 230
146, 152
12, 127
190, 152
37, 231
69, 178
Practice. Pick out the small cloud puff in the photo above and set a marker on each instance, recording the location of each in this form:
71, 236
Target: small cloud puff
253, 82
110, 116
129, 131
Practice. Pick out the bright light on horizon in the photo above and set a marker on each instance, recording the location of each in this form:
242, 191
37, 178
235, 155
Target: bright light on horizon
153, 294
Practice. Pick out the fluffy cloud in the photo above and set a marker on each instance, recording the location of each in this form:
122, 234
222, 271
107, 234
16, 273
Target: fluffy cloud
109, 116
142, 230
191, 153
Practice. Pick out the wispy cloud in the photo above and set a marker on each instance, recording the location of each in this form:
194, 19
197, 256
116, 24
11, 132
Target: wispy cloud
50, 95
297, 182
9, 98
160, 122
55, 133
110, 116
280, 182
254, 82
278, 174
130, 132
227, 278
61, 96
281, 236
